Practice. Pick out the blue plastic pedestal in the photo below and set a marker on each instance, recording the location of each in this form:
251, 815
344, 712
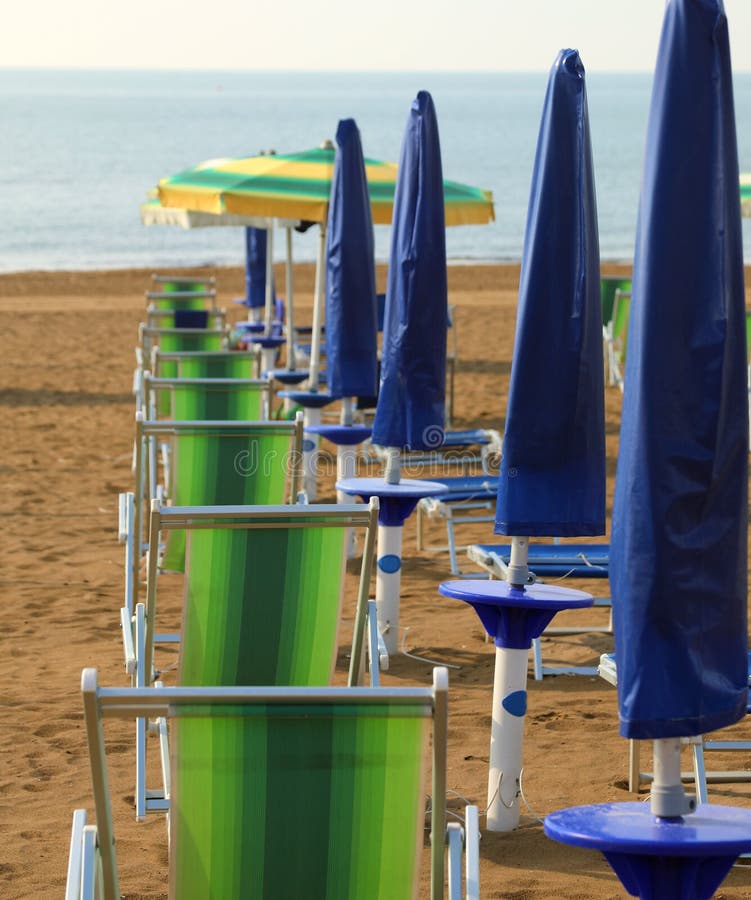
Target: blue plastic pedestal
343, 435
659, 859
397, 502
513, 617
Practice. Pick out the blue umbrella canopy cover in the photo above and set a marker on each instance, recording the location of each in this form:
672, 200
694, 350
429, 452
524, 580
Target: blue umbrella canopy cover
411, 403
679, 543
255, 267
552, 478
351, 311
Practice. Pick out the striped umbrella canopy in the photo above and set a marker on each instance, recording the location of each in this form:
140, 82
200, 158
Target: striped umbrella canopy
746, 194
298, 186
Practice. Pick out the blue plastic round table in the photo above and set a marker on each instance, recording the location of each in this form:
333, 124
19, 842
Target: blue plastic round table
253, 327
267, 342
658, 859
309, 399
397, 500
344, 435
514, 616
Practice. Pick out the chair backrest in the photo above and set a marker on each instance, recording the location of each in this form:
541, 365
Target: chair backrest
204, 399
609, 284
263, 591
177, 340
621, 309
288, 792
185, 317
216, 463
205, 364
184, 283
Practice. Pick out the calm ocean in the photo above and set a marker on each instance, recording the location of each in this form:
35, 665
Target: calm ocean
79, 151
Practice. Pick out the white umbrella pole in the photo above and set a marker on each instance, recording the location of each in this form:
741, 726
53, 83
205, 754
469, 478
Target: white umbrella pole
315, 337
269, 277
667, 797
388, 583
393, 472
312, 416
290, 283
506, 738
509, 708
346, 467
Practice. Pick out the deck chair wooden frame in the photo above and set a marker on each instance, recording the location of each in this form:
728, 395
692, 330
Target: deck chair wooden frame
278, 445
204, 399
264, 587
328, 809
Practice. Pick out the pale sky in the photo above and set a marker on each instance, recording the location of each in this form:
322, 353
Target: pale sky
461, 35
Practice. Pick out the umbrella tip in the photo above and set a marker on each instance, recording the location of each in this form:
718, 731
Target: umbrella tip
327, 145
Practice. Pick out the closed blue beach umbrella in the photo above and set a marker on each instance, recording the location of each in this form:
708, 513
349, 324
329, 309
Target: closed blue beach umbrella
351, 315
552, 478
411, 402
255, 267
678, 551
678, 548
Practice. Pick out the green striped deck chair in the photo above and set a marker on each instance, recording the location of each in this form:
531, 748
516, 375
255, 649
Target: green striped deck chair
205, 364
170, 284
214, 463
291, 792
264, 588
204, 399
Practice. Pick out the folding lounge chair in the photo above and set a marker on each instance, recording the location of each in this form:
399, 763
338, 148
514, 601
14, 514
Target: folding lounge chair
182, 295
461, 450
699, 746
212, 463
264, 588
204, 399
552, 561
287, 792
460, 505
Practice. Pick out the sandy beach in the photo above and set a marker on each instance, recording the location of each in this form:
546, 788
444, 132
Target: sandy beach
67, 361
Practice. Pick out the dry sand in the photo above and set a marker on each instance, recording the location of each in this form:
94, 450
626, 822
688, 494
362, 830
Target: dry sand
67, 361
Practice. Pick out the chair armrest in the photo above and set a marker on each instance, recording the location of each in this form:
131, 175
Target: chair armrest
128, 645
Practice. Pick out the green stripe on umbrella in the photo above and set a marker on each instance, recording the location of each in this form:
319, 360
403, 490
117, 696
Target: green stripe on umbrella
297, 186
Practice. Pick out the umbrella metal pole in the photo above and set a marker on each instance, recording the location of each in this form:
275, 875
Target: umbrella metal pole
346, 467
668, 800
315, 337
506, 738
388, 584
393, 472
289, 277
310, 452
269, 278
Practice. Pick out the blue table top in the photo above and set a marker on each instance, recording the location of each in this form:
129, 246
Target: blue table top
501, 593
342, 434
267, 341
379, 487
313, 399
712, 830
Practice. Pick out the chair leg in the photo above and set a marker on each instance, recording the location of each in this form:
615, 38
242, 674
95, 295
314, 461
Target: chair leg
537, 659
634, 772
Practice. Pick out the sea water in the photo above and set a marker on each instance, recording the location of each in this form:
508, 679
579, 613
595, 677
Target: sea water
79, 150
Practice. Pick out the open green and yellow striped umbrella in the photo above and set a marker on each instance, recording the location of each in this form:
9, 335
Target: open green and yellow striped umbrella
297, 186
746, 194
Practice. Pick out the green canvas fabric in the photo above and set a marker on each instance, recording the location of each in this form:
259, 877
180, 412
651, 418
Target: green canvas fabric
220, 402
225, 365
262, 605
179, 343
298, 802
225, 469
